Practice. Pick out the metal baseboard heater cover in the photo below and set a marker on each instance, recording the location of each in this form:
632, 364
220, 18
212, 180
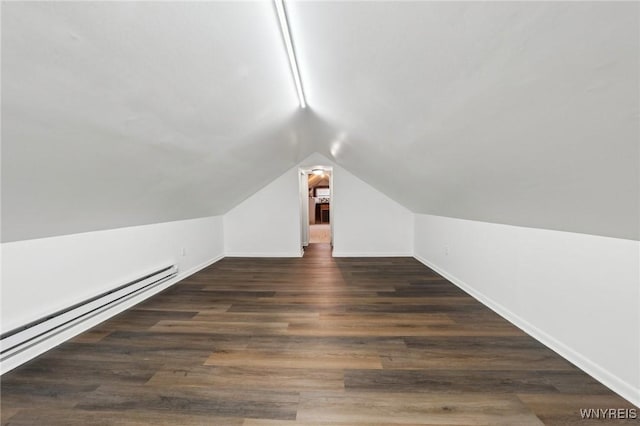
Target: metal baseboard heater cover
15, 341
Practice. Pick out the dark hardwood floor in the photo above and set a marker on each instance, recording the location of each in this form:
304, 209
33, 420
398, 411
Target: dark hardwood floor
317, 340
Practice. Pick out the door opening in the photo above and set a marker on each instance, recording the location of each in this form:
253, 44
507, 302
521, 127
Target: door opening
316, 196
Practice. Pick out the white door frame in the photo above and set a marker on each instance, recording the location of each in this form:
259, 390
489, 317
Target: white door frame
303, 175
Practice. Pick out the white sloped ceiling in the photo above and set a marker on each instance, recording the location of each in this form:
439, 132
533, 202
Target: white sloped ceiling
124, 113
523, 113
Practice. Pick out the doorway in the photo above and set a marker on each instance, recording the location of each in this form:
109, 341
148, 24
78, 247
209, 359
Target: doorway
317, 210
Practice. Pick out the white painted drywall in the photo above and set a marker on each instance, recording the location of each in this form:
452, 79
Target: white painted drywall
509, 112
366, 222
516, 112
579, 294
267, 224
148, 112
42, 276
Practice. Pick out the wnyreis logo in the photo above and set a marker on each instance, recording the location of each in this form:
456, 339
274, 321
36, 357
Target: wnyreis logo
608, 413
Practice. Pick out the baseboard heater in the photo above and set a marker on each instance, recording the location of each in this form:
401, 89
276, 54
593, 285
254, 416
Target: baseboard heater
28, 335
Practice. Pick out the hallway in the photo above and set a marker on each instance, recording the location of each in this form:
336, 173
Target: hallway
319, 233
294, 341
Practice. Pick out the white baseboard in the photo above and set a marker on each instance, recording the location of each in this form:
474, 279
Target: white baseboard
338, 253
93, 320
266, 254
619, 386
199, 267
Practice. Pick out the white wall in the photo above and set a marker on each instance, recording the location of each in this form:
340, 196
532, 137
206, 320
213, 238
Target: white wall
367, 222
578, 294
45, 275
267, 224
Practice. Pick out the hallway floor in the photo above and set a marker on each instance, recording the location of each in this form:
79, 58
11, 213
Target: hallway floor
319, 233
300, 341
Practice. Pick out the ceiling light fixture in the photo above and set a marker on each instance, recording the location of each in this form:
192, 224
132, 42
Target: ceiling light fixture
293, 62
317, 172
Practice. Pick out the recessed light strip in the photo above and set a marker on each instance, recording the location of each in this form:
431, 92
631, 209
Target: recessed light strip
286, 35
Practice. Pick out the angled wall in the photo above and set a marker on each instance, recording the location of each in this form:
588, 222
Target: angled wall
121, 114
366, 222
267, 224
522, 113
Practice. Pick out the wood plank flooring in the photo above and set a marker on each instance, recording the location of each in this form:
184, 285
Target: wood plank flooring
311, 341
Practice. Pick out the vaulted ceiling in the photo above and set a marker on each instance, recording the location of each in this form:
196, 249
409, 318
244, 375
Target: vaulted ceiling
125, 113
